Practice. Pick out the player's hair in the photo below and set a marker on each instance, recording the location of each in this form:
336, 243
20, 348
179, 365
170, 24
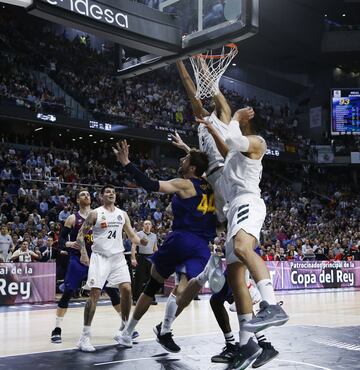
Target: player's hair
200, 160
106, 186
79, 191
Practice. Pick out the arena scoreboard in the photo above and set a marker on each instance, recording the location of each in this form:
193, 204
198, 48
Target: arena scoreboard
345, 111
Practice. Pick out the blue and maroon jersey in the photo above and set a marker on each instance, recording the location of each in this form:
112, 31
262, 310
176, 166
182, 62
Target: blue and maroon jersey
196, 214
79, 220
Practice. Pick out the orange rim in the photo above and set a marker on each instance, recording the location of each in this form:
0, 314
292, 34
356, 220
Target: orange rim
204, 56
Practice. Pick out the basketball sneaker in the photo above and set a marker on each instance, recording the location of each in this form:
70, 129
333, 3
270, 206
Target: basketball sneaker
166, 340
85, 345
214, 273
269, 315
246, 354
227, 355
56, 335
123, 339
267, 354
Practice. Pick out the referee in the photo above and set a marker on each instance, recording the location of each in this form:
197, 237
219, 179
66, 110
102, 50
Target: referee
140, 259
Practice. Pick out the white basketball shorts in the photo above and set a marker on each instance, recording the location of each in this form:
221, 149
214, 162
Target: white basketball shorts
113, 269
246, 212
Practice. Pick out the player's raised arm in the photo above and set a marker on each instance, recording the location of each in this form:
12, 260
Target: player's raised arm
252, 144
183, 187
198, 109
89, 222
219, 141
179, 143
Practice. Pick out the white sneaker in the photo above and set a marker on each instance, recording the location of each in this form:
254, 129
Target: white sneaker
85, 345
123, 339
215, 274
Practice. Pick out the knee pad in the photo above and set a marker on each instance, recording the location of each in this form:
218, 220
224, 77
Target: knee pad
152, 287
65, 298
114, 295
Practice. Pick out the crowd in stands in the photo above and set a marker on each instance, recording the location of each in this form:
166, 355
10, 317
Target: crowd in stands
87, 75
38, 186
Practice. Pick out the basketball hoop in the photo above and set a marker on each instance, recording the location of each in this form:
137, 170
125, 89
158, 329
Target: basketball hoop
208, 69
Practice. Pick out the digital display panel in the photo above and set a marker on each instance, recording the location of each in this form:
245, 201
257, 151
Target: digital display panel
345, 111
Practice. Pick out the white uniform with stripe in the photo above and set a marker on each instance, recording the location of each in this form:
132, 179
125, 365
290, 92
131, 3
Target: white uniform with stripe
247, 210
107, 261
216, 160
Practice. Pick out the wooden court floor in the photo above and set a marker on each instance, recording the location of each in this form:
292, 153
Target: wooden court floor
323, 332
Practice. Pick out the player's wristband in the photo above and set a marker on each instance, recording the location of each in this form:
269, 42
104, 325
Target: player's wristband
141, 179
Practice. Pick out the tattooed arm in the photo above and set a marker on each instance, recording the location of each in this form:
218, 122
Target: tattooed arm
89, 222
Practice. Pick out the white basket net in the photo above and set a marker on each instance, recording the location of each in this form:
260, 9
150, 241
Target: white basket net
208, 69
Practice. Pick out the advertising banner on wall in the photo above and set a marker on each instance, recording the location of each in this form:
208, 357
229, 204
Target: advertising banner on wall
288, 275
27, 283
314, 274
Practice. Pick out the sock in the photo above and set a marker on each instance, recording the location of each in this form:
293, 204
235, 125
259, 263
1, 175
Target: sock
169, 317
244, 335
129, 328
229, 338
202, 278
86, 330
267, 291
260, 337
58, 322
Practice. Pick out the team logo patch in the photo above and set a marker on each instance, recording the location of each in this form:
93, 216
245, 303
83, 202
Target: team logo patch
119, 218
92, 282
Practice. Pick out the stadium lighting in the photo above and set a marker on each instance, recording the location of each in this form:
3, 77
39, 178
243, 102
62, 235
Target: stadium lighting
343, 15
39, 128
90, 135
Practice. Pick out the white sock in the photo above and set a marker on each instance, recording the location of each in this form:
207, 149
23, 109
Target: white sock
202, 278
129, 328
169, 317
244, 335
86, 330
58, 322
266, 290
229, 338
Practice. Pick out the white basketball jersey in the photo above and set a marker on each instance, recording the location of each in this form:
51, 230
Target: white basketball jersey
207, 143
241, 175
107, 232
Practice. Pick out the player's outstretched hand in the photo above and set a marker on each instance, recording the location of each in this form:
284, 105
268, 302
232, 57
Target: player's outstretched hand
178, 142
207, 123
143, 241
122, 152
244, 115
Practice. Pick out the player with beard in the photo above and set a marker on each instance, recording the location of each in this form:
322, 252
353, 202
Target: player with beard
185, 247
